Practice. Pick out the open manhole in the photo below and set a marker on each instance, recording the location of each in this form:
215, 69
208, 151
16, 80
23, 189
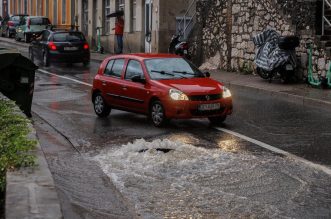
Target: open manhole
164, 150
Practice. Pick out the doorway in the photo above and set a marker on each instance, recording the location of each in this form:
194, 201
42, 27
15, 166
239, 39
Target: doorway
85, 17
148, 25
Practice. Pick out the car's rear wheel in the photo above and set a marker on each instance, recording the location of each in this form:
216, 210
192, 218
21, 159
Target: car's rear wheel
45, 59
157, 114
31, 55
100, 106
86, 63
218, 120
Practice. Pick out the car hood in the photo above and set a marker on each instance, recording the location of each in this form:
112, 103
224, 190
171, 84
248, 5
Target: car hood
194, 86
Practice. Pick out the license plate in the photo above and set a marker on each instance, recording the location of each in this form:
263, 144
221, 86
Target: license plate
211, 106
185, 52
70, 48
289, 67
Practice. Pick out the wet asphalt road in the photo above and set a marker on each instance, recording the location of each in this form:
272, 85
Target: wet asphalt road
101, 171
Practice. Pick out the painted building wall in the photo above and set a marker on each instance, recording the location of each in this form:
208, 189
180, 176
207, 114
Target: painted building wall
163, 23
58, 11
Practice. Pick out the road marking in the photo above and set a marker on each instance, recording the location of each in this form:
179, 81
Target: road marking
71, 79
277, 150
254, 141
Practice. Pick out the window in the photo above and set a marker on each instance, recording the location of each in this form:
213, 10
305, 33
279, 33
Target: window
120, 5
64, 11
45, 35
109, 67
107, 19
39, 21
133, 69
25, 6
114, 68
68, 37
134, 14
55, 12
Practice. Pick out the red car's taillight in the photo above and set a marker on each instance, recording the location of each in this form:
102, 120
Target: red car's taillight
52, 46
86, 46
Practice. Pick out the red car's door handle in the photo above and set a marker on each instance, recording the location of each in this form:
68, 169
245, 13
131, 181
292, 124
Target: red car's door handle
104, 83
124, 88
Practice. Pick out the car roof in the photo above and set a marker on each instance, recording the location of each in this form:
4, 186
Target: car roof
144, 56
36, 16
19, 15
64, 31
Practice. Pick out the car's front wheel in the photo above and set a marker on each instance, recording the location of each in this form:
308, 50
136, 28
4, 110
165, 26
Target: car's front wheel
17, 38
26, 38
100, 106
45, 59
157, 114
218, 120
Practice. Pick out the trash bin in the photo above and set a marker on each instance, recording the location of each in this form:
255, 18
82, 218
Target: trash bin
17, 78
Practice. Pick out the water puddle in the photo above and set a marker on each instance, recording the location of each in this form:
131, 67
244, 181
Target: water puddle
171, 179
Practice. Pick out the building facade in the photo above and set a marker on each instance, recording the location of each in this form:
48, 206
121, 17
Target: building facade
60, 12
149, 24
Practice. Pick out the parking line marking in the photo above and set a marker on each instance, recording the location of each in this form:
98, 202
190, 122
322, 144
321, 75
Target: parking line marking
64, 77
277, 150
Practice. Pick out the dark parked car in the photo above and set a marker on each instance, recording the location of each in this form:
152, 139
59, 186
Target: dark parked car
66, 46
9, 24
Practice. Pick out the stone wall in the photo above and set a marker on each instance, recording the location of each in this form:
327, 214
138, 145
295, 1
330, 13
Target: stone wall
227, 28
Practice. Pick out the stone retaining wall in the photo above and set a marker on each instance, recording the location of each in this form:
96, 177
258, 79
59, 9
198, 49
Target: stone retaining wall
228, 28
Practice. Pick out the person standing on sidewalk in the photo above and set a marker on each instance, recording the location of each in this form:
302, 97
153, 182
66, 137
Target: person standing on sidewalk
119, 29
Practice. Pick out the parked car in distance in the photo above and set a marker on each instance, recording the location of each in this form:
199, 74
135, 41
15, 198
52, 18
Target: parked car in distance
66, 46
9, 24
162, 86
31, 26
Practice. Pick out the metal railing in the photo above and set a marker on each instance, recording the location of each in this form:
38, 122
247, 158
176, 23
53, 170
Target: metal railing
325, 20
187, 20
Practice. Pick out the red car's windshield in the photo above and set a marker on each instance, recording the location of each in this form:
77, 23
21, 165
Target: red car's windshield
171, 68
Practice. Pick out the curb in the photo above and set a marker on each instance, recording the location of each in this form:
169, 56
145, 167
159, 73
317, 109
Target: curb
292, 98
30, 191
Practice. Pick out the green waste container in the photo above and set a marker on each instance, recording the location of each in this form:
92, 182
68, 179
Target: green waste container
17, 78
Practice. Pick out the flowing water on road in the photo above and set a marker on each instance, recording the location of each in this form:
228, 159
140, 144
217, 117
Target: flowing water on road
186, 181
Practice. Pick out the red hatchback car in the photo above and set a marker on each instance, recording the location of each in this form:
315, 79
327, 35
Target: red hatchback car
162, 86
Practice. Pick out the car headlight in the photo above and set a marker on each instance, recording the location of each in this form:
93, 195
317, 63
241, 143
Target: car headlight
177, 95
226, 92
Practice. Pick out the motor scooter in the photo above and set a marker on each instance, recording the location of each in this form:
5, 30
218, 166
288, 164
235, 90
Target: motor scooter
276, 57
179, 47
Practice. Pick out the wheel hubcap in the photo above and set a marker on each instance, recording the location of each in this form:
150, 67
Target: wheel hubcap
98, 104
157, 114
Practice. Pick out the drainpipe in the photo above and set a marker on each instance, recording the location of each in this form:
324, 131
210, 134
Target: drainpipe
229, 34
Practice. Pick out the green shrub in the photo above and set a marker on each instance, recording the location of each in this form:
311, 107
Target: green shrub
15, 147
